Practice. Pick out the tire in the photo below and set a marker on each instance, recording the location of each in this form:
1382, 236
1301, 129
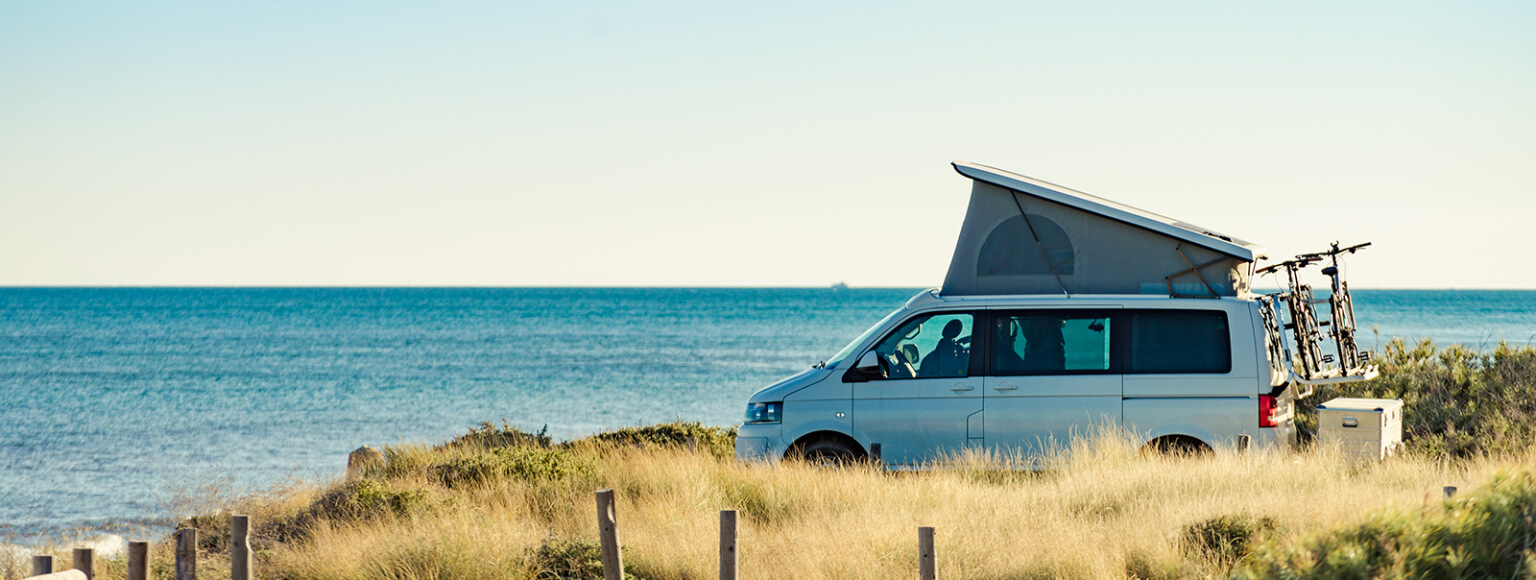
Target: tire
827, 453
1178, 447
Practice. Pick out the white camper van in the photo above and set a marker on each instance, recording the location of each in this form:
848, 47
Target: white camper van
1061, 313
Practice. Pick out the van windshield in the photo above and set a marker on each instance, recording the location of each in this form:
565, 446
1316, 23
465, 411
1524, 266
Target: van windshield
848, 350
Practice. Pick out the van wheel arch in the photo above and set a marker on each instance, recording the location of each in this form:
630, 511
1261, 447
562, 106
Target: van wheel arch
1177, 445
825, 439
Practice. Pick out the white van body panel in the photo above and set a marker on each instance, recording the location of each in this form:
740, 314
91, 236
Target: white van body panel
1034, 415
819, 415
793, 384
1215, 421
918, 420
805, 392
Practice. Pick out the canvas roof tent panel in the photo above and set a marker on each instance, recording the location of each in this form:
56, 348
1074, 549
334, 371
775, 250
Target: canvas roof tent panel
1025, 236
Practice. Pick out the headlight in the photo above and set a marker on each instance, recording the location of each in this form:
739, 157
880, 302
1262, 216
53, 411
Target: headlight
764, 413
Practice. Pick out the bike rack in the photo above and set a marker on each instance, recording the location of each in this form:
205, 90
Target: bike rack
1310, 366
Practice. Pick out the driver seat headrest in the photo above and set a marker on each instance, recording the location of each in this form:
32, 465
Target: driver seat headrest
952, 329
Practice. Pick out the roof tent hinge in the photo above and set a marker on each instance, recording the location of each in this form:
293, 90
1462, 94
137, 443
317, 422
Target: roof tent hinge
1193, 269
1014, 193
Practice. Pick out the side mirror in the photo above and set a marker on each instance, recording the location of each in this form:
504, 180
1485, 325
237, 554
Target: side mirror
867, 368
869, 364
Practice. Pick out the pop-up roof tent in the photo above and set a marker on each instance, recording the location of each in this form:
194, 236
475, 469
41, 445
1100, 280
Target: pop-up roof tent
1025, 236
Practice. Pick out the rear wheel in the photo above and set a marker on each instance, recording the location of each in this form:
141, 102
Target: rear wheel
1178, 447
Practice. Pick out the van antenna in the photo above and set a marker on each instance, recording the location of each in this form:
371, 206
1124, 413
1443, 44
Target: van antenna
1043, 256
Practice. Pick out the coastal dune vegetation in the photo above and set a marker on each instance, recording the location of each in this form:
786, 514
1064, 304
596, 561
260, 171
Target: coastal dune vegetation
499, 502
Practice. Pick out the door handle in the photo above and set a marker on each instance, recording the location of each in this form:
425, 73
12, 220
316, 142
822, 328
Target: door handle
961, 387
1005, 387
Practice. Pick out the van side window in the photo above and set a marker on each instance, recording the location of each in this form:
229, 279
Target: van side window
1180, 341
1027, 343
932, 346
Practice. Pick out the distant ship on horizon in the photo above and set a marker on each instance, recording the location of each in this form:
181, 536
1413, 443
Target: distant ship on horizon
839, 286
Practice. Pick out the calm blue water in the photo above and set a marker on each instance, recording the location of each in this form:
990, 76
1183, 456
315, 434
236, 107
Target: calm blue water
111, 399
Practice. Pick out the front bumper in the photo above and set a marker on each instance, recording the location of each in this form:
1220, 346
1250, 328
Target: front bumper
758, 443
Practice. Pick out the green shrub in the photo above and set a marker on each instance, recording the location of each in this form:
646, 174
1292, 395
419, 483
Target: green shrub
521, 463
1486, 534
489, 436
1456, 402
573, 559
718, 441
358, 499
1226, 538
567, 558
367, 498
400, 461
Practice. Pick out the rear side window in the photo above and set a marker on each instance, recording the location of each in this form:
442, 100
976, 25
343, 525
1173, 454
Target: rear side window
1180, 341
1050, 343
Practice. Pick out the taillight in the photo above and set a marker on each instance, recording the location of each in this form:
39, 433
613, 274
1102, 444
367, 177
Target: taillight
1267, 411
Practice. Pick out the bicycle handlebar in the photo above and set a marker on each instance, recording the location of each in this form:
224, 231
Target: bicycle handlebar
1301, 261
1334, 252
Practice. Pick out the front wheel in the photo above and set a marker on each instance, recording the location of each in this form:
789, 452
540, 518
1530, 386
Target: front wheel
826, 453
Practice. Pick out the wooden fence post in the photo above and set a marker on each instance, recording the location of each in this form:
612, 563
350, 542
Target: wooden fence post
186, 554
42, 565
727, 544
1450, 491
239, 548
608, 530
85, 561
693, 444
138, 560
927, 568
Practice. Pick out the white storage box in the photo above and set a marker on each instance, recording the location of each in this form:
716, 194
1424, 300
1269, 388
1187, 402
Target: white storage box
1365, 428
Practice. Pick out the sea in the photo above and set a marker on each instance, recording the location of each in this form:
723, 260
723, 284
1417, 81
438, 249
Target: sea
120, 408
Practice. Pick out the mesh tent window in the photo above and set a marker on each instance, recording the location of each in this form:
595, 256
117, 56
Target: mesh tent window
1010, 249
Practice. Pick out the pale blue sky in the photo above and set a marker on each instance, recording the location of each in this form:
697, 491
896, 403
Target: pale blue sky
725, 144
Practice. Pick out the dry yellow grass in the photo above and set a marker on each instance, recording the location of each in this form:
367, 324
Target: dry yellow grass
1107, 512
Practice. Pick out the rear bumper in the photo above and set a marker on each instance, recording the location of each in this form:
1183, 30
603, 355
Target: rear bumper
1282, 437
